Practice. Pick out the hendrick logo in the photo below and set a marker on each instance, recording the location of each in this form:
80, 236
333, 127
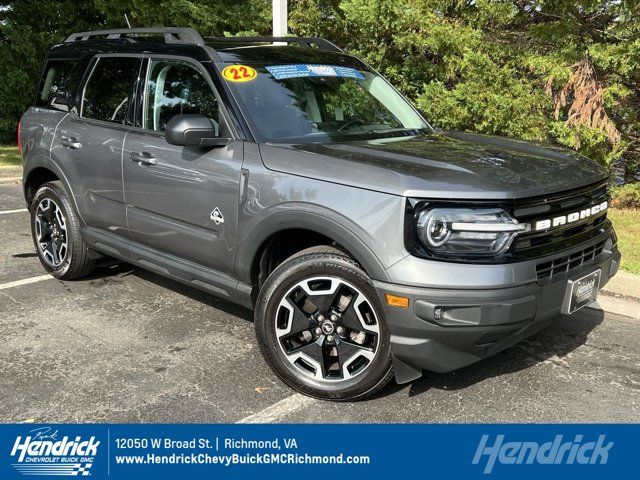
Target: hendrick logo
585, 288
571, 218
553, 452
45, 452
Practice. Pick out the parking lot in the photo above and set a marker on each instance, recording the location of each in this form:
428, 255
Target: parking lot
125, 345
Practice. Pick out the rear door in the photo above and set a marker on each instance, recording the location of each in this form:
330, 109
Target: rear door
54, 100
172, 192
89, 142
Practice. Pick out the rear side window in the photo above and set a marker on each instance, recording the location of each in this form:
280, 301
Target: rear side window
59, 84
108, 90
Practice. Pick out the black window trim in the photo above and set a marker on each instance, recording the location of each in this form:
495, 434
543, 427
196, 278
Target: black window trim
85, 81
142, 79
48, 61
138, 91
136, 103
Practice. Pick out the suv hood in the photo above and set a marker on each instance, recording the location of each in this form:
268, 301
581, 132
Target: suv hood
447, 165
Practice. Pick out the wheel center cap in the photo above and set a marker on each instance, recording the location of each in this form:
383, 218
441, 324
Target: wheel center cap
327, 328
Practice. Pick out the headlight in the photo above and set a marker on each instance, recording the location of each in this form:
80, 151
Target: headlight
467, 232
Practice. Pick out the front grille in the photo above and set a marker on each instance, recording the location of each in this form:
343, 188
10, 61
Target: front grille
547, 242
563, 266
587, 233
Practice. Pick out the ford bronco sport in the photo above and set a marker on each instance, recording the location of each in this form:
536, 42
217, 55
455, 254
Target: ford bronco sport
291, 178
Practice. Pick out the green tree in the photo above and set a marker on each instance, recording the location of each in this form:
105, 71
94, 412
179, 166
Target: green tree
28, 28
210, 17
550, 70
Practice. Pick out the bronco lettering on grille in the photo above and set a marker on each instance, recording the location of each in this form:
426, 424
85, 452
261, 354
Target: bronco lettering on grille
570, 218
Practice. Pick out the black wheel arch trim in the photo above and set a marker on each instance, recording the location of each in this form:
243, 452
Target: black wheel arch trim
49, 164
250, 246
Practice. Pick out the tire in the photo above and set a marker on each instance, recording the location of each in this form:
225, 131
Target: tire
342, 357
54, 222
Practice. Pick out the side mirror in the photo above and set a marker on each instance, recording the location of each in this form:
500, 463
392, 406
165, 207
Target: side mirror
196, 130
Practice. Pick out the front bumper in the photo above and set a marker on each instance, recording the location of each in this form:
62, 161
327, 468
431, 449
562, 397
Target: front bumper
448, 328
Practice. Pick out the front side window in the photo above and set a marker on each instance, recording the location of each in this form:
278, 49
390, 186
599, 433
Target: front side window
176, 87
324, 103
59, 84
107, 93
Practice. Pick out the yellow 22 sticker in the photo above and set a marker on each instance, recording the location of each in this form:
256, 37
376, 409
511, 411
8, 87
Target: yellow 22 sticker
239, 73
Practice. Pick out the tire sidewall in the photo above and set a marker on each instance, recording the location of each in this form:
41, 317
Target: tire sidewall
278, 284
58, 196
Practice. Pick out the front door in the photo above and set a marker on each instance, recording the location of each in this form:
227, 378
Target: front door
181, 201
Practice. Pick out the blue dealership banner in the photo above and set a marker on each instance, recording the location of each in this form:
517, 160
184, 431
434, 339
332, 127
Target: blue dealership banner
283, 72
124, 451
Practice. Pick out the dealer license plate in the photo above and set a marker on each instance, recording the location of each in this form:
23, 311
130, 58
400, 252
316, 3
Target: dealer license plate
581, 292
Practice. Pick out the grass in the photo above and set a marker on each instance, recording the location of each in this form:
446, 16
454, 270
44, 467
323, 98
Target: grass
9, 156
626, 221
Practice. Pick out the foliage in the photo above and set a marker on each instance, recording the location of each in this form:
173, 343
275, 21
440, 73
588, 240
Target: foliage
550, 70
211, 18
29, 28
9, 157
26, 31
627, 224
626, 196
583, 99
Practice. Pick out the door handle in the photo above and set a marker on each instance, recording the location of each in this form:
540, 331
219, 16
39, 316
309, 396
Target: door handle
143, 158
244, 183
70, 142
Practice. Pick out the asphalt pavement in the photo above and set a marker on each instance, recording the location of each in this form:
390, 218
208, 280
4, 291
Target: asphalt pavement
125, 345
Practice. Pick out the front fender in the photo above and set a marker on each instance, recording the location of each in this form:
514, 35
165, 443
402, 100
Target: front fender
316, 221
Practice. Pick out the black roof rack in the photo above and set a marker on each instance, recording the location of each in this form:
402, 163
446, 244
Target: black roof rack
185, 35
189, 36
321, 43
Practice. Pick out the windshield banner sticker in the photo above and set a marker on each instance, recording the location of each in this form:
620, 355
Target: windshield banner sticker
282, 72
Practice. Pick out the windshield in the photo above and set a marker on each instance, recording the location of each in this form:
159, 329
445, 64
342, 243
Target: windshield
320, 103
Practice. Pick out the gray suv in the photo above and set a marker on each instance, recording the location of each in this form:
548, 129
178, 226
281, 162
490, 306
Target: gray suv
289, 177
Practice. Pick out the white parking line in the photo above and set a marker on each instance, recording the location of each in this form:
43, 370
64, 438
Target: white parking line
19, 210
279, 409
24, 281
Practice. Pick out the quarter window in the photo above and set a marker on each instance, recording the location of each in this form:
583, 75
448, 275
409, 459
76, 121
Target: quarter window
175, 87
59, 84
108, 91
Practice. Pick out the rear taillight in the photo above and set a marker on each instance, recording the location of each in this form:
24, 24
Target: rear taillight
19, 140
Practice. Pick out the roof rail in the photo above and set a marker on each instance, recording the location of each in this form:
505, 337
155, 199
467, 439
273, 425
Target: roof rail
171, 35
321, 43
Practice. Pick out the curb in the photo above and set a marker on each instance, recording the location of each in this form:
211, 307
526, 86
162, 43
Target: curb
618, 306
617, 296
624, 285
